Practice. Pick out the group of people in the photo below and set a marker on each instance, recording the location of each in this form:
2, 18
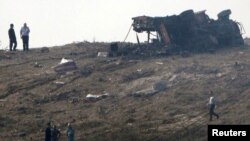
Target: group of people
24, 33
53, 134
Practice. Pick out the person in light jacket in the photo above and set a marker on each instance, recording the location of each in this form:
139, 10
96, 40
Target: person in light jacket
211, 105
25, 36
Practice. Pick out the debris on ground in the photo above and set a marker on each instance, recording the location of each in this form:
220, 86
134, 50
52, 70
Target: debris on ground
3, 100
37, 65
172, 78
157, 87
97, 97
44, 50
102, 54
159, 63
65, 65
59, 84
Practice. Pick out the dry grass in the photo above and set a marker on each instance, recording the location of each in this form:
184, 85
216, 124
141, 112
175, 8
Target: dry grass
29, 97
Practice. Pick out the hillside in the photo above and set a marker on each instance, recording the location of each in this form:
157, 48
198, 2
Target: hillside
30, 96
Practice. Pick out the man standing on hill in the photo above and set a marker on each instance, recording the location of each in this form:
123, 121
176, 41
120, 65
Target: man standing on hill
12, 37
211, 104
25, 36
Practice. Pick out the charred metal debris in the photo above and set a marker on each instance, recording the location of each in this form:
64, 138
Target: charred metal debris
189, 31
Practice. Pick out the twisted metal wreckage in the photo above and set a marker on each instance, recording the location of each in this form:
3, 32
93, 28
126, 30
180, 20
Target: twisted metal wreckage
192, 31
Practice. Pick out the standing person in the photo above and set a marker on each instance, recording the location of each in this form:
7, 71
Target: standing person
211, 104
48, 132
55, 134
70, 133
25, 36
12, 37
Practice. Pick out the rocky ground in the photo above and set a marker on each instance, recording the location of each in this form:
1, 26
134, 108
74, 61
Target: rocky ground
32, 93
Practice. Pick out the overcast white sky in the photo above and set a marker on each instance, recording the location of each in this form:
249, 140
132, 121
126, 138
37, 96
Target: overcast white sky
58, 22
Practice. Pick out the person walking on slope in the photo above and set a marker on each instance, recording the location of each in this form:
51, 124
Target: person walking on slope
211, 105
70, 133
25, 36
12, 37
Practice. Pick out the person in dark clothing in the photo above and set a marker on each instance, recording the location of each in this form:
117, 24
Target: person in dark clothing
25, 36
12, 37
211, 108
70, 133
48, 133
55, 134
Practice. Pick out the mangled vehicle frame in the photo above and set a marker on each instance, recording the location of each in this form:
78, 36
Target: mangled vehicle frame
193, 31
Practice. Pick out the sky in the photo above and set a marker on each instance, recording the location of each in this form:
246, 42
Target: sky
59, 22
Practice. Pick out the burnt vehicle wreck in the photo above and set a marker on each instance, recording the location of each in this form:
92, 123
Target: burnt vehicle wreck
191, 31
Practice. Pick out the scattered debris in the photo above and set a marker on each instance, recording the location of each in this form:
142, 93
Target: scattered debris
44, 50
157, 87
37, 65
172, 78
65, 65
102, 54
219, 75
3, 100
94, 98
59, 84
159, 63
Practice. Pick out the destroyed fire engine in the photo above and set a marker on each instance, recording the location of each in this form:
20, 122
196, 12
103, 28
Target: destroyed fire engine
191, 31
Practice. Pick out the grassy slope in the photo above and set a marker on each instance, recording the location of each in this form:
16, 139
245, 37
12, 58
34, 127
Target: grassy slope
29, 97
